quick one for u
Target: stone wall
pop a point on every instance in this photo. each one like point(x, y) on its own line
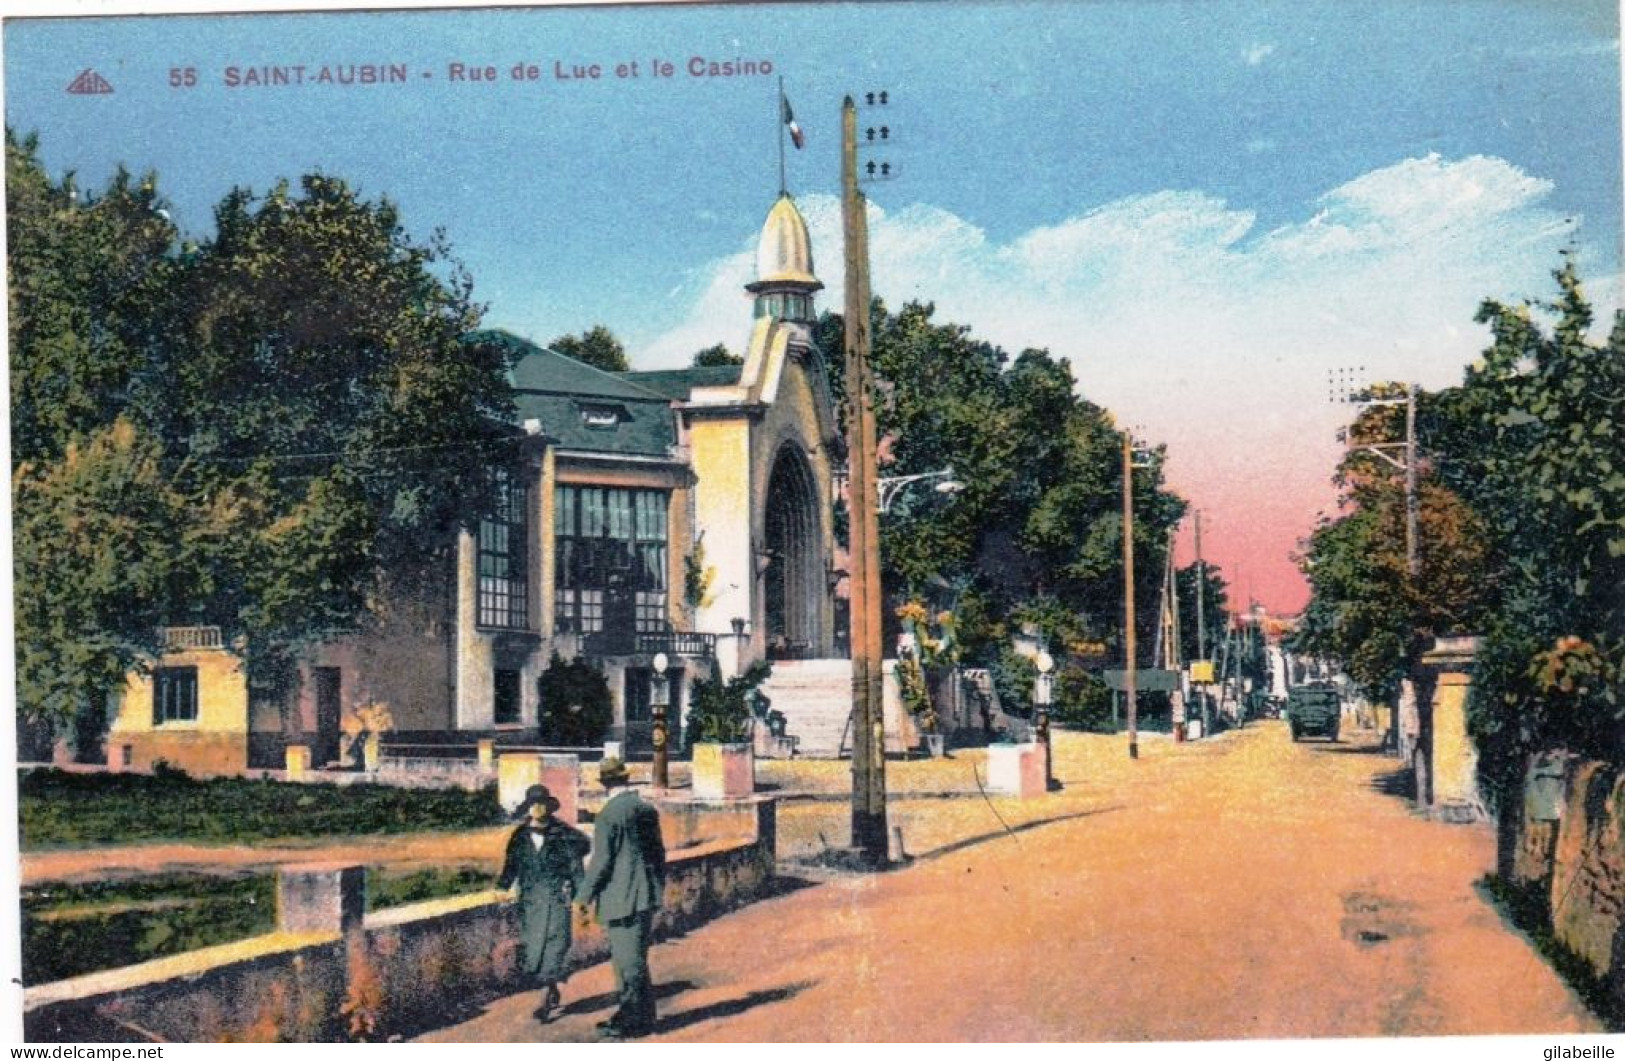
point(1569, 848)
point(400, 970)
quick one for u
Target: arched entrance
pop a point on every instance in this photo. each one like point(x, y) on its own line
point(793, 579)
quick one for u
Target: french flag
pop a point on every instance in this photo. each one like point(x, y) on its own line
point(797, 137)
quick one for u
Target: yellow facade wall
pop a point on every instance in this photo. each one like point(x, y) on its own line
point(1455, 760)
point(215, 743)
point(720, 450)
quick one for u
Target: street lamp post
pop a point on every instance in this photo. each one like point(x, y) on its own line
point(658, 702)
point(1042, 692)
point(891, 485)
point(1130, 669)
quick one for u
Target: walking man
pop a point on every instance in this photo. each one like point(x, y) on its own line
point(626, 878)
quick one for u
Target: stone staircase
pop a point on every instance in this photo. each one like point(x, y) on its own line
point(816, 698)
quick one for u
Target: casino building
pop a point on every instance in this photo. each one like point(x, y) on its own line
point(687, 512)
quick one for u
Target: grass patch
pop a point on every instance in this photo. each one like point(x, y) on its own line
point(60, 809)
point(74, 929)
point(1525, 907)
point(386, 887)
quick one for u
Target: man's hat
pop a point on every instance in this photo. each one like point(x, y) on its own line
point(611, 771)
point(533, 795)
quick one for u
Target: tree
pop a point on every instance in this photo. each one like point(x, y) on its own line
point(272, 421)
point(1365, 609)
point(1537, 445)
point(101, 543)
point(597, 346)
point(716, 356)
point(1035, 535)
point(328, 409)
point(90, 279)
point(1215, 611)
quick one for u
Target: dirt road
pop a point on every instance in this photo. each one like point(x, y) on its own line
point(1237, 888)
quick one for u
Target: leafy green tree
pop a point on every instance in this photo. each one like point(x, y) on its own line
point(101, 543)
point(1215, 610)
point(328, 408)
point(1366, 609)
point(716, 356)
point(1035, 536)
point(90, 281)
point(1536, 443)
point(303, 383)
point(597, 346)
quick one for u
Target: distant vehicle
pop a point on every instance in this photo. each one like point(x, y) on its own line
point(1314, 707)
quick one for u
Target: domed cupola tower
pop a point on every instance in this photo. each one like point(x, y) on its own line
point(785, 282)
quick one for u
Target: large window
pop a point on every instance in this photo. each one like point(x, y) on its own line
point(611, 558)
point(174, 695)
point(503, 560)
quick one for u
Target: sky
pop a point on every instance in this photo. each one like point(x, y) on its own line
point(1204, 207)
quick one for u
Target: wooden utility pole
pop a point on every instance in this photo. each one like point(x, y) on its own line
point(1201, 592)
point(868, 717)
point(1129, 675)
point(1413, 562)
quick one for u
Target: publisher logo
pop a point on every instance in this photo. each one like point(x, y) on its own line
point(90, 83)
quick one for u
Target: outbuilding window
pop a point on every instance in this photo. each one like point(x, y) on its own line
point(174, 695)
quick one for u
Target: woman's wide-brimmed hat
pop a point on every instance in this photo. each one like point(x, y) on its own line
point(533, 795)
point(612, 771)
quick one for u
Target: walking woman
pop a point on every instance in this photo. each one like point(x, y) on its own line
point(544, 858)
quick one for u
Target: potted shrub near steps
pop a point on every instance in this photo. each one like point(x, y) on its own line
point(722, 762)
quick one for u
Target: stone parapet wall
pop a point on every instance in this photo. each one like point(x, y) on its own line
point(1569, 848)
point(1588, 872)
point(404, 969)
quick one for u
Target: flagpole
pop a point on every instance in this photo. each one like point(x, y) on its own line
point(783, 190)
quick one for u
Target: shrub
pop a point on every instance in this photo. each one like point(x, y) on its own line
point(576, 708)
point(720, 711)
point(1083, 701)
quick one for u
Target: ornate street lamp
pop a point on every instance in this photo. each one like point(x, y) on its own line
point(891, 485)
point(659, 699)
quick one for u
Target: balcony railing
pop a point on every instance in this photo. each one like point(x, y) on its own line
point(672, 642)
point(180, 638)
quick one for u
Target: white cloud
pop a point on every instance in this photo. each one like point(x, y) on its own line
point(1256, 54)
point(1178, 312)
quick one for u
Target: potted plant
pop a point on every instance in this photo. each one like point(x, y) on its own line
point(719, 719)
point(365, 725)
point(925, 659)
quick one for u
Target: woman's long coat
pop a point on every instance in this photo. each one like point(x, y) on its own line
point(548, 879)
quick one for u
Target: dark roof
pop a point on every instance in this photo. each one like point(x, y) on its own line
point(540, 369)
point(582, 407)
point(677, 383)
